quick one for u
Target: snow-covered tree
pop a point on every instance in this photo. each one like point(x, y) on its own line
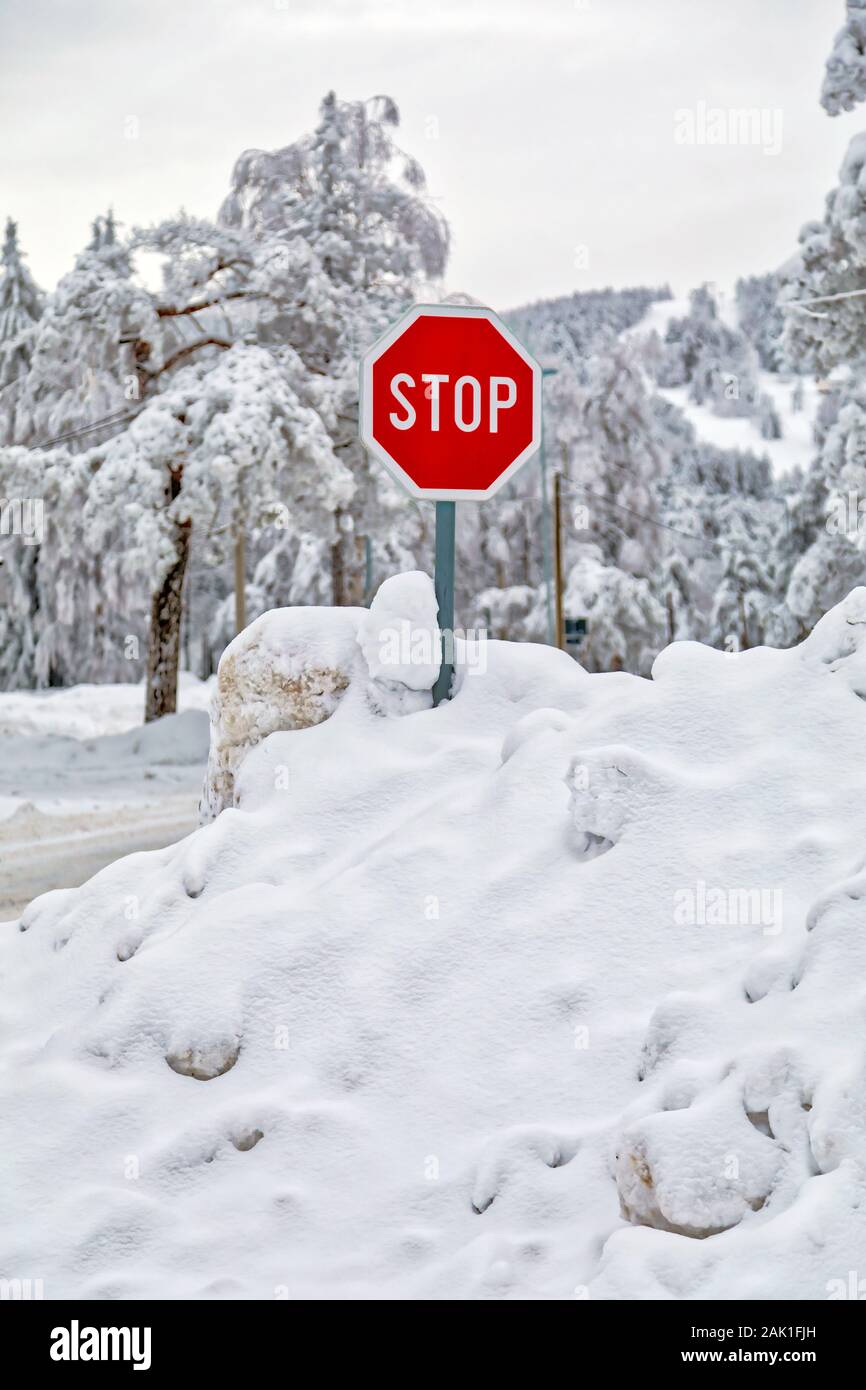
point(715, 361)
point(845, 76)
point(615, 464)
point(835, 560)
point(760, 317)
point(21, 303)
point(625, 623)
point(225, 442)
point(744, 598)
point(65, 615)
point(354, 236)
point(84, 376)
point(824, 290)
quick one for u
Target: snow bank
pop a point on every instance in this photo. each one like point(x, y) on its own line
point(400, 635)
point(287, 670)
point(88, 711)
point(554, 991)
point(56, 772)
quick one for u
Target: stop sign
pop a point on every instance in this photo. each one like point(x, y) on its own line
point(450, 402)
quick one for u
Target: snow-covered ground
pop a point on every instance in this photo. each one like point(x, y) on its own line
point(555, 991)
point(89, 711)
point(82, 782)
point(795, 448)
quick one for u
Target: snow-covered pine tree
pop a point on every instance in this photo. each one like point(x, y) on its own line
point(824, 290)
point(84, 376)
point(617, 461)
point(760, 317)
point(832, 504)
point(21, 303)
point(56, 627)
point(744, 598)
point(824, 295)
point(845, 75)
point(715, 361)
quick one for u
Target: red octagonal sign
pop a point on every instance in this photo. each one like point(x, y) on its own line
point(450, 402)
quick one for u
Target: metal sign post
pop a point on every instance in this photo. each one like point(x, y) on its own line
point(446, 516)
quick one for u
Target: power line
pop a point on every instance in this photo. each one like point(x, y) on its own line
point(650, 521)
point(706, 541)
point(118, 418)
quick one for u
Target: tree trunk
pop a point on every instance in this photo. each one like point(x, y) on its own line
point(744, 630)
point(163, 654)
point(356, 582)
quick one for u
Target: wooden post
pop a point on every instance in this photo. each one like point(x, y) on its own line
point(744, 630)
point(669, 602)
point(557, 556)
point(240, 580)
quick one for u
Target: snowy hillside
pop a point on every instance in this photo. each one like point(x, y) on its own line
point(795, 448)
point(554, 991)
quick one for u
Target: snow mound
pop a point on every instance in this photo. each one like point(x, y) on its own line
point(287, 670)
point(554, 990)
point(400, 635)
point(88, 711)
point(291, 667)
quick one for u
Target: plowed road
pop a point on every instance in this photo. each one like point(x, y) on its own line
point(39, 852)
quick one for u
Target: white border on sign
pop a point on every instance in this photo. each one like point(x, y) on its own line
point(396, 331)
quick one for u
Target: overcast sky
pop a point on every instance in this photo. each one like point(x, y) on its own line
point(548, 129)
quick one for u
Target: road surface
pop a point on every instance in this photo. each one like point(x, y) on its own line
point(39, 852)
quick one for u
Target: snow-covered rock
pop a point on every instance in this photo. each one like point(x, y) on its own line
point(287, 670)
point(291, 667)
point(555, 988)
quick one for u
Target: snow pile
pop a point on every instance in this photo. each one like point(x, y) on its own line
point(291, 667)
point(88, 711)
point(400, 636)
point(287, 670)
point(553, 991)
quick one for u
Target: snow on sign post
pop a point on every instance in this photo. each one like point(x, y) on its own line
point(451, 405)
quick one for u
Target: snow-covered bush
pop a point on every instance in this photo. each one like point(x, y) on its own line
point(625, 622)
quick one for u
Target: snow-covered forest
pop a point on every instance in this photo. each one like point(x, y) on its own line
point(163, 437)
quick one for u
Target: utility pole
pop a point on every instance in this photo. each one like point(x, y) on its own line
point(557, 554)
point(240, 579)
point(368, 571)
